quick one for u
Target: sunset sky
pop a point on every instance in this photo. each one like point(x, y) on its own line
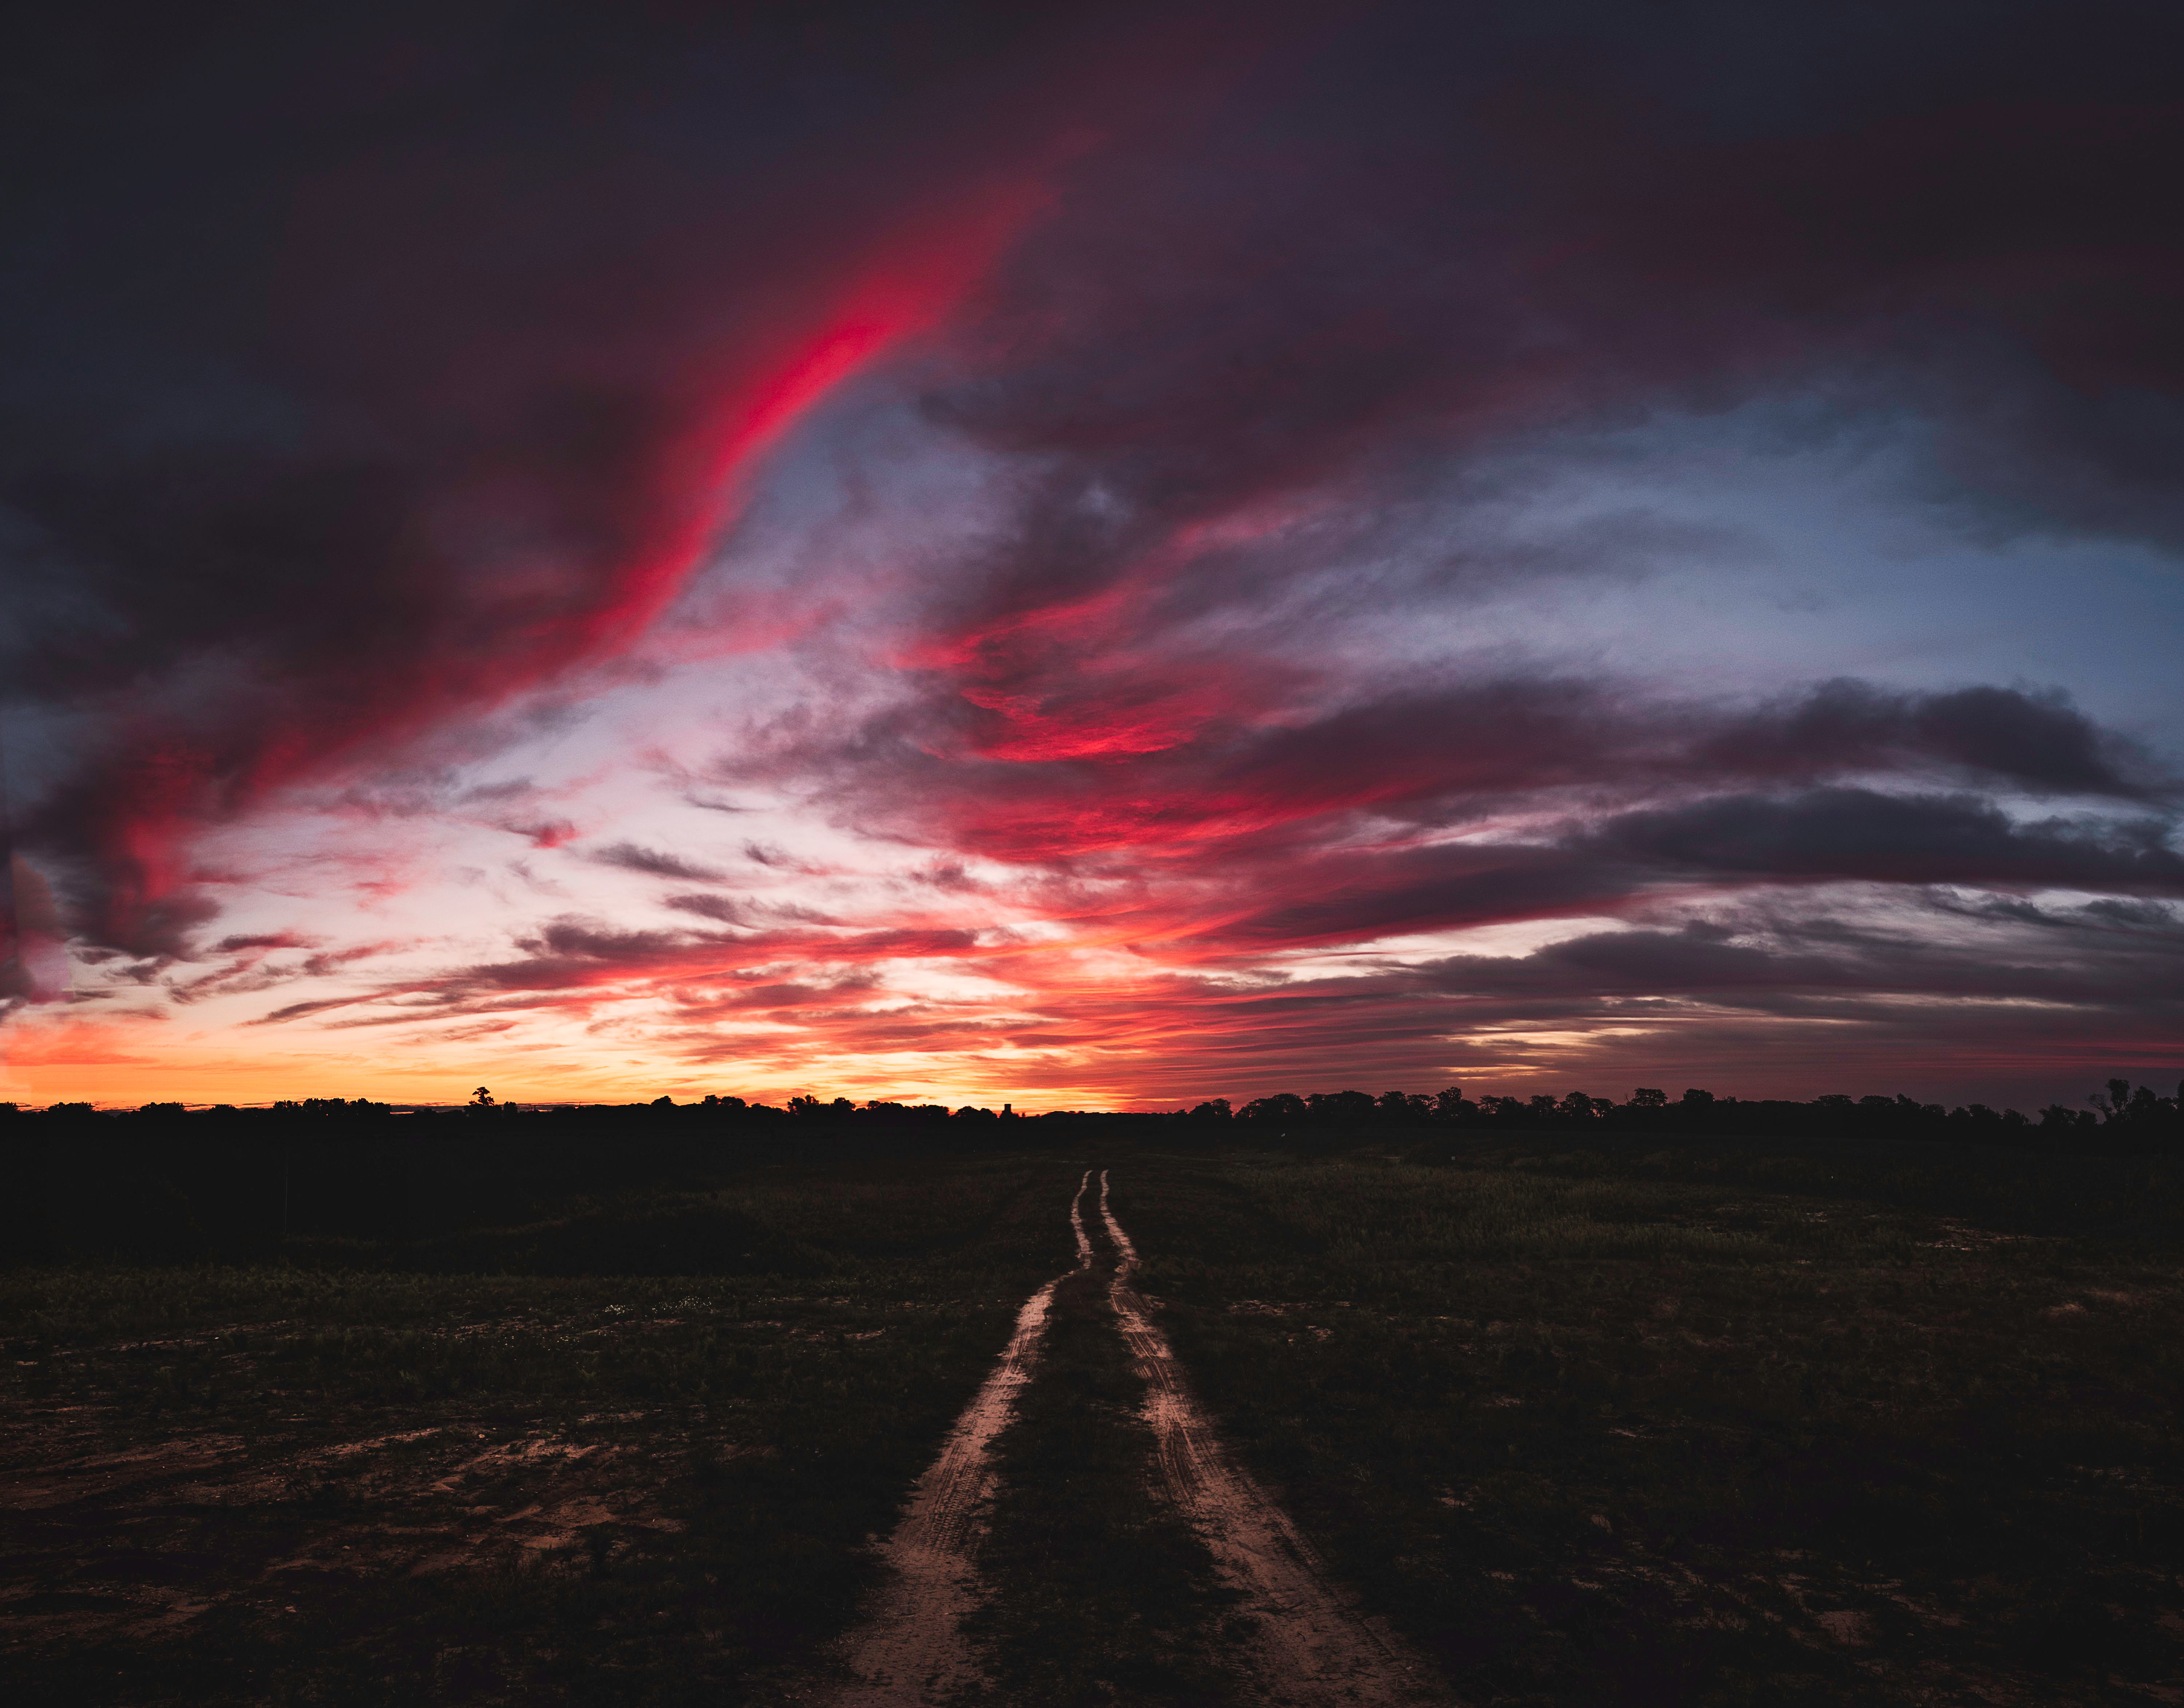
point(1092, 557)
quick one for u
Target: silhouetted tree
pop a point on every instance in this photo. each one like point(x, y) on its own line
point(2115, 1105)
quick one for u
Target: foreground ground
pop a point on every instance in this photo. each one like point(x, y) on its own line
point(1657, 1430)
point(1706, 1425)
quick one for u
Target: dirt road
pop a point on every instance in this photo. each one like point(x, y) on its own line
point(1315, 1648)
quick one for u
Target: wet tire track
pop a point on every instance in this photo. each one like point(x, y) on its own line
point(1316, 1649)
point(910, 1650)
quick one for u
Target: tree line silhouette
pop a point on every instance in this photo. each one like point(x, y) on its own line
point(2119, 1116)
point(488, 1184)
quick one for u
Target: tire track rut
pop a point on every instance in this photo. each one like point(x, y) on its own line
point(1317, 1648)
point(910, 1650)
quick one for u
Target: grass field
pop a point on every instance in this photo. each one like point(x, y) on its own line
point(1596, 1434)
point(1721, 1424)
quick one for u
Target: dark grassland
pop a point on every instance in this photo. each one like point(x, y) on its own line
point(1677, 1421)
point(291, 1485)
point(1722, 1424)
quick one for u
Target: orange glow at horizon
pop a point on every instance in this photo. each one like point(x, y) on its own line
point(121, 1067)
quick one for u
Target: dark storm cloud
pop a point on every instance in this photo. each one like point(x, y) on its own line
point(1780, 962)
point(1344, 900)
point(1497, 738)
point(2039, 742)
point(1861, 834)
point(1349, 893)
point(1461, 223)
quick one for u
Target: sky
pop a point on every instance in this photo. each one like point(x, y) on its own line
point(1091, 557)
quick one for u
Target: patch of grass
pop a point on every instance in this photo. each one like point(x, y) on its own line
point(2114, 1203)
point(1592, 1436)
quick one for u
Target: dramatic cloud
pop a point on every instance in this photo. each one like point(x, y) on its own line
point(403, 377)
point(653, 863)
point(1103, 553)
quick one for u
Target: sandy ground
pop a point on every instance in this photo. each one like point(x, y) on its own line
point(211, 1518)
